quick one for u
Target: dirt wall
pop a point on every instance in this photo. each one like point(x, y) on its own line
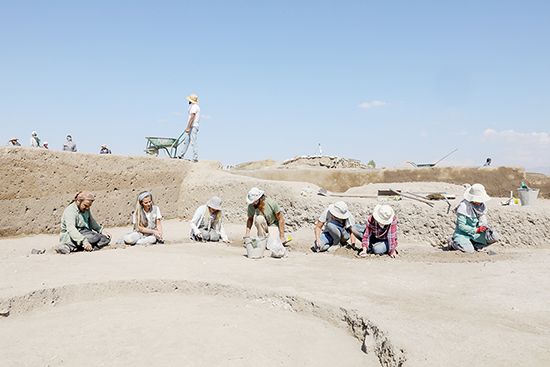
point(498, 181)
point(38, 184)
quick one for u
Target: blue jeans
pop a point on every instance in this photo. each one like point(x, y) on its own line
point(334, 234)
point(191, 137)
point(376, 246)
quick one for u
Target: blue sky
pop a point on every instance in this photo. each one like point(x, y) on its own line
point(385, 80)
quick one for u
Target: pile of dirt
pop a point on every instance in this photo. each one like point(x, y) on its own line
point(41, 183)
point(255, 165)
point(324, 161)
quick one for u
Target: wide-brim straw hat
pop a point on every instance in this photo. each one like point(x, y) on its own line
point(253, 195)
point(476, 193)
point(214, 203)
point(13, 139)
point(193, 98)
point(339, 209)
point(383, 214)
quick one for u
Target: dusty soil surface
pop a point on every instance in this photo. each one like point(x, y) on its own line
point(174, 329)
point(435, 308)
point(428, 307)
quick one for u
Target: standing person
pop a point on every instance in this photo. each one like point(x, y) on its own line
point(471, 221)
point(333, 227)
point(192, 129)
point(263, 212)
point(206, 224)
point(69, 145)
point(487, 162)
point(79, 230)
point(14, 142)
point(147, 222)
point(104, 149)
point(35, 140)
point(379, 235)
point(45, 145)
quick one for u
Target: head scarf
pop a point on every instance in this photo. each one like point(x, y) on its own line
point(141, 217)
point(84, 195)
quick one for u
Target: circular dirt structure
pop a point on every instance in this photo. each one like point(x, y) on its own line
point(162, 323)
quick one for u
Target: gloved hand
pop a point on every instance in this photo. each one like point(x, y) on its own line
point(481, 229)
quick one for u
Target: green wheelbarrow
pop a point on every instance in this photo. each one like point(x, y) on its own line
point(169, 145)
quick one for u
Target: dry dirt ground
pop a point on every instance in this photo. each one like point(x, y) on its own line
point(196, 304)
point(207, 304)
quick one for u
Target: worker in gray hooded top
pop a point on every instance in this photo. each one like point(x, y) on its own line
point(79, 230)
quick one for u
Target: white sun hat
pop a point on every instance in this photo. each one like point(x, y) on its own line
point(214, 203)
point(383, 214)
point(339, 209)
point(476, 193)
point(253, 195)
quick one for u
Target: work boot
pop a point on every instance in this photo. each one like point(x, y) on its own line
point(62, 249)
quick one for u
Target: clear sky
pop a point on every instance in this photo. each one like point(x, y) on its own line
point(385, 80)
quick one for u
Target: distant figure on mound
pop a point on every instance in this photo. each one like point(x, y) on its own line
point(379, 235)
point(333, 227)
point(147, 222)
point(46, 145)
point(14, 142)
point(206, 224)
point(263, 212)
point(69, 145)
point(472, 232)
point(192, 129)
point(35, 140)
point(104, 149)
point(79, 230)
point(487, 162)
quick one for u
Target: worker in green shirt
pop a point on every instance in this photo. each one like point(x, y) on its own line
point(263, 212)
point(79, 230)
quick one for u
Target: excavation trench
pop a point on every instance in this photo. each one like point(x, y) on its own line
point(145, 322)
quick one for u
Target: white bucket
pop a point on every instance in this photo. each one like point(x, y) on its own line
point(528, 196)
point(255, 247)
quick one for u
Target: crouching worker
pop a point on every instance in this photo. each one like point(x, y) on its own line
point(79, 230)
point(333, 227)
point(147, 222)
point(206, 224)
point(264, 212)
point(471, 232)
point(379, 235)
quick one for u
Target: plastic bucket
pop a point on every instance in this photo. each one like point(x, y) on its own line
point(528, 196)
point(255, 247)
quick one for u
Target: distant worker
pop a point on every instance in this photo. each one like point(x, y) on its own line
point(379, 234)
point(487, 162)
point(79, 230)
point(264, 212)
point(46, 145)
point(69, 145)
point(35, 140)
point(192, 129)
point(472, 232)
point(104, 149)
point(320, 149)
point(14, 142)
point(333, 227)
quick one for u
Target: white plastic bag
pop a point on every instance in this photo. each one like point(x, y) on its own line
point(276, 247)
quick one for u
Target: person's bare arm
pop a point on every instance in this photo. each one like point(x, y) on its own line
point(190, 122)
point(159, 229)
point(249, 222)
point(281, 220)
point(318, 227)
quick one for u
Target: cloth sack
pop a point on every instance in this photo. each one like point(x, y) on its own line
point(276, 247)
